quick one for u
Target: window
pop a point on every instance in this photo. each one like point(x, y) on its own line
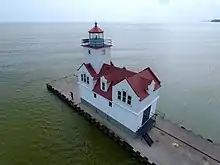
point(87, 80)
point(119, 95)
point(94, 95)
point(89, 51)
point(81, 77)
point(103, 52)
point(103, 86)
point(84, 77)
point(110, 104)
point(124, 96)
point(129, 100)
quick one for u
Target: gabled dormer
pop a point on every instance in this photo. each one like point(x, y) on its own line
point(103, 84)
point(86, 74)
point(151, 87)
point(124, 95)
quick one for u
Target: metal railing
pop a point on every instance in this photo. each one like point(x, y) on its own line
point(96, 42)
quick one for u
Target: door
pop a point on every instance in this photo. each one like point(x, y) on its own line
point(146, 115)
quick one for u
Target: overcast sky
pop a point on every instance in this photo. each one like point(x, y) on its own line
point(109, 10)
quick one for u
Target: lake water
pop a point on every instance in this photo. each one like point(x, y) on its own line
point(36, 128)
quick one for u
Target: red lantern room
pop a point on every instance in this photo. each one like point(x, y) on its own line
point(96, 39)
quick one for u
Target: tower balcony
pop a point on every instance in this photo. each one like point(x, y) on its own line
point(96, 43)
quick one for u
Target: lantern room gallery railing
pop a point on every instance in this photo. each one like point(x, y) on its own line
point(96, 42)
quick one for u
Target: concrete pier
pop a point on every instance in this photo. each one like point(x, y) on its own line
point(173, 145)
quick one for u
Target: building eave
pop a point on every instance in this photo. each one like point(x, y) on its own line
point(148, 105)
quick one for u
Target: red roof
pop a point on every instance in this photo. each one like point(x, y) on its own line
point(96, 29)
point(139, 85)
point(141, 80)
point(149, 74)
point(107, 94)
point(113, 75)
point(118, 75)
point(138, 81)
point(91, 70)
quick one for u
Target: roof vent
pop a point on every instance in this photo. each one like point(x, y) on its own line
point(124, 68)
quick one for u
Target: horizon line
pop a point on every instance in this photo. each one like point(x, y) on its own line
point(136, 22)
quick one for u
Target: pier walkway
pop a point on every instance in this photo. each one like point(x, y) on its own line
point(173, 144)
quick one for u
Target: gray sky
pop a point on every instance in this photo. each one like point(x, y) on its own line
point(109, 10)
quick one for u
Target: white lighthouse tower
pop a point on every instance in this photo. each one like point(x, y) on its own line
point(97, 49)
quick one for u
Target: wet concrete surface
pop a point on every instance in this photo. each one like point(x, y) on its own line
point(173, 144)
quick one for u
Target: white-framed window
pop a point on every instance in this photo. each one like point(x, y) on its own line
point(110, 104)
point(119, 95)
point(124, 94)
point(129, 100)
point(124, 97)
point(103, 86)
point(89, 51)
point(81, 77)
point(87, 80)
point(94, 95)
point(84, 77)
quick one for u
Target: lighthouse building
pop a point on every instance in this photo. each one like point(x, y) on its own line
point(126, 98)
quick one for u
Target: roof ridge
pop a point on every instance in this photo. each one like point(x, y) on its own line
point(144, 69)
point(80, 66)
point(148, 68)
point(132, 87)
point(143, 77)
point(90, 65)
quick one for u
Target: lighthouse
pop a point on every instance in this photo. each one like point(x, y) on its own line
point(97, 49)
point(124, 97)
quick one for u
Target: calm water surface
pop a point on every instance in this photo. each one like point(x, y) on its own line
point(36, 128)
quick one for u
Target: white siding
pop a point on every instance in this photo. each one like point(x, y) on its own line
point(152, 112)
point(117, 112)
point(83, 70)
point(103, 80)
point(124, 86)
point(97, 58)
point(153, 108)
point(147, 101)
point(140, 117)
point(128, 115)
point(137, 107)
